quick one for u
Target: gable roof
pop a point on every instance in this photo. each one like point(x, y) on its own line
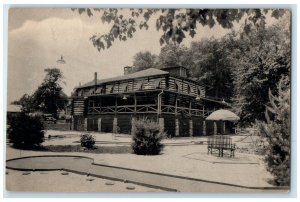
point(139, 74)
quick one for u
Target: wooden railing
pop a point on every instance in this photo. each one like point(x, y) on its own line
point(123, 109)
point(151, 108)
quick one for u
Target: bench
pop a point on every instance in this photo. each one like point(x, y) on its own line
point(220, 143)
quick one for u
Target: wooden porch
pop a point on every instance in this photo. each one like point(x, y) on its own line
point(151, 102)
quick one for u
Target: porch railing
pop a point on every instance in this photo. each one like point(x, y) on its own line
point(151, 108)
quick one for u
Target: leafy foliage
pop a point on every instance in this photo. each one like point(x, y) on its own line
point(213, 66)
point(173, 54)
point(87, 141)
point(262, 58)
point(144, 60)
point(26, 131)
point(175, 24)
point(49, 97)
point(147, 137)
point(170, 55)
point(26, 101)
point(277, 132)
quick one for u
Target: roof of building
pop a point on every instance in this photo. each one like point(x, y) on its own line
point(13, 108)
point(139, 74)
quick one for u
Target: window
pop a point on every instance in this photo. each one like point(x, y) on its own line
point(177, 86)
point(190, 89)
point(91, 91)
point(124, 87)
point(99, 90)
point(110, 88)
point(157, 83)
point(80, 93)
point(198, 92)
point(139, 84)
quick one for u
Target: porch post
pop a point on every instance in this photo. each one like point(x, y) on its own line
point(215, 128)
point(116, 105)
point(72, 123)
point(176, 106)
point(161, 122)
point(204, 127)
point(132, 125)
point(135, 102)
point(115, 121)
point(224, 128)
point(191, 127)
point(85, 124)
point(176, 127)
point(99, 124)
point(115, 125)
point(176, 119)
point(204, 123)
point(190, 109)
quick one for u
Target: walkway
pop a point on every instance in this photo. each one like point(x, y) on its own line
point(84, 165)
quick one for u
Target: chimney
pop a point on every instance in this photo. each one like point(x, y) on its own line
point(127, 70)
point(95, 78)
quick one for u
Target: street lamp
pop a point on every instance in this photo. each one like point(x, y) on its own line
point(61, 60)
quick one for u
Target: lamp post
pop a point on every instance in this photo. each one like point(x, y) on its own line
point(61, 60)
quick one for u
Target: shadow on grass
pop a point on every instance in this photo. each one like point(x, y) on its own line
point(78, 148)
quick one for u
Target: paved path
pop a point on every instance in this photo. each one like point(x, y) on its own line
point(85, 165)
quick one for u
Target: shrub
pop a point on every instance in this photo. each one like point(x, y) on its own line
point(87, 141)
point(26, 131)
point(146, 137)
point(277, 132)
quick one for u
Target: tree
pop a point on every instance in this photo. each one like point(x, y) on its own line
point(49, 96)
point(263, 58)
point(26, 131)
point(144, 60)
point(277, 131)
point(173, 54)
point(212, 66)
point(26, 102)
point(174, 23)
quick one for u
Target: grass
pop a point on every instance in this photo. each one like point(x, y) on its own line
point(97, 150)
point(78, 148)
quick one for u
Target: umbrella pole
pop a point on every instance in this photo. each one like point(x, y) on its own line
point(215, 128)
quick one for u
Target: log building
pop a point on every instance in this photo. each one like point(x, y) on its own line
point(166, 95)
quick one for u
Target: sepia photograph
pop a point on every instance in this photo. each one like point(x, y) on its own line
point(151, 100)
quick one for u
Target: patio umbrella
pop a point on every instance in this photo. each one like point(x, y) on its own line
point(222, 115)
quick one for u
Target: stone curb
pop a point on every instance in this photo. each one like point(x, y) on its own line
point(143, 171)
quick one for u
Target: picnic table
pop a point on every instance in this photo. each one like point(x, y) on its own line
point(220, 143)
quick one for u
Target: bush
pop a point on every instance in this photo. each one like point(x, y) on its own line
point(87, 141)
point(26, 131)
point(277, 132)
point(147, 137)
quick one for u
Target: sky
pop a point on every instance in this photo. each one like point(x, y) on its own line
point(38, 37)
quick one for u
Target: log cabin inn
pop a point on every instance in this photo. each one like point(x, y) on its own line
point(166, 95)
